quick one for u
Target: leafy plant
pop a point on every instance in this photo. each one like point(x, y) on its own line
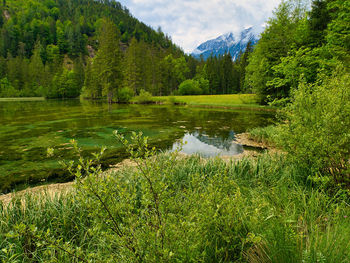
point(317, 130)
point(190, 87)
point(144, 98)
point(124, 95)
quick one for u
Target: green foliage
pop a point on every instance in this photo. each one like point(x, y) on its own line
point(64, 85)
point(190, 87)
point(267, 135)
point(203, 85)
point(144, 98)
point(173, 73)
point(108, 60)
point(45, 229)
point(39, 38)
point(125, 95)
point(174, 101)
point(275, 43)
point(299, 46)
point(7, 90)
point(338, 33)
point(224, 74)
point(179, 209)
point(318, 21)
point(317, 130)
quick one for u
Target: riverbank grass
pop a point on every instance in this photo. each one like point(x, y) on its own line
point(173, 208)
point(251, 210)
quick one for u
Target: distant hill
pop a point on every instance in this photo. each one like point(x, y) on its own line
point(68, 24)
point(228, 43)
point(48, 48)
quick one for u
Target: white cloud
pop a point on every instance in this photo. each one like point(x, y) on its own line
point(191, 22)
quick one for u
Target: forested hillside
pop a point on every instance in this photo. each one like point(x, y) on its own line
point(46, 47)
point(67, 48)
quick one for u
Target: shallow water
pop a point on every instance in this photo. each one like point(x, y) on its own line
point(28, 128)
point(206, 146)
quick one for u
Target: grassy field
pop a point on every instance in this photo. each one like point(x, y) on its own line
point(231, 100)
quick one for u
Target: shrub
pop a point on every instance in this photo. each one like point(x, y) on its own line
point(7, 90)
point(317, 131)
point(125, 94)
point(190, 87)
point(144, 98)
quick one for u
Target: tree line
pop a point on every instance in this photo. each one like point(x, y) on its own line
point(46, 46)
point(299, 45)
point(97, 49)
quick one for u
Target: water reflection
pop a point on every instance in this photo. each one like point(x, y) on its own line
point(28, 128)
point(206, 146)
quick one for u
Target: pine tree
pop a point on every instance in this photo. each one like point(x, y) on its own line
point(91, 88)
point(228, 80)
point(132, 67)
point(318, 21)
point(242, 65)
point(78, 68)
point(36, 67)
point(108, 60)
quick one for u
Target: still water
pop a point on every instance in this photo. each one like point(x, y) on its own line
point(28, 128)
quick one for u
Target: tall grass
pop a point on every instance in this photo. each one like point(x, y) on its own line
point(260, 210)
point(267, 135)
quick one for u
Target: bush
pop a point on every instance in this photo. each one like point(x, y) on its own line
point(125, 94)
point(317, 131)
point(190, 87)
point(7, 90)
point(144, 98)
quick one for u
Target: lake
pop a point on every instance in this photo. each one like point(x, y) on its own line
point(28, 128)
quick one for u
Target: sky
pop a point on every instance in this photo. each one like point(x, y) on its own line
point(192, 22)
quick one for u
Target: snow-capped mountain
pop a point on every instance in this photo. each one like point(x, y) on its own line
point(228, 43)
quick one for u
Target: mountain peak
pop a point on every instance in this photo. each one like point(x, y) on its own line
point(228, 43)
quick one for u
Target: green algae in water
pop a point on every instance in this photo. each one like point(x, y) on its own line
point(28, 128)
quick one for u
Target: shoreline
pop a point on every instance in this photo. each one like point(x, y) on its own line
point(61, 188)
point(165, 101)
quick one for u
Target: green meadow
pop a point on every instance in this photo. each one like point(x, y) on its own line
point(231, 100)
